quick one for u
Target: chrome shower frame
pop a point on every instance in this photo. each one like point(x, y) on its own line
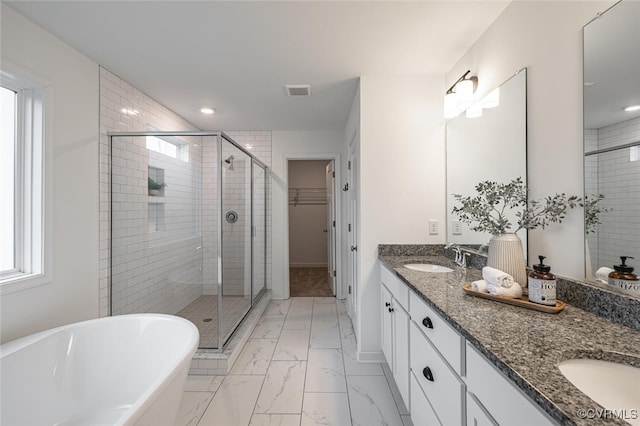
point(220, 138)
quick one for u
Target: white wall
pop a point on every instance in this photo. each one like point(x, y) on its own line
point(293, 145)
point(71, 138)
point(545, 37)
point(402, 180)
point(308, 218)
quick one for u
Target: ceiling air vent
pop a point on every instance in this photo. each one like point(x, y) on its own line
point(298, 89)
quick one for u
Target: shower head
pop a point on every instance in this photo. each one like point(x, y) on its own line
point(229, 160)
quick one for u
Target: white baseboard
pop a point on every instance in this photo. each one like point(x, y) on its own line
point(371, 357)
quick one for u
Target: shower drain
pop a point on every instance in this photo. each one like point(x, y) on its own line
point(207, 320)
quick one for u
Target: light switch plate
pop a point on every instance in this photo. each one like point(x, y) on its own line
point(433, 227)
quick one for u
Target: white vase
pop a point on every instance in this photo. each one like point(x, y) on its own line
point(506, 254)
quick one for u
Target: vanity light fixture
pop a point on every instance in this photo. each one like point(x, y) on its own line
point(207, 110)
point(474, 110)
point(632, 108)
point(460, 95)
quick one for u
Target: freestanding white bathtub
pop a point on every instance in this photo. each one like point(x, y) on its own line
point(122, 370)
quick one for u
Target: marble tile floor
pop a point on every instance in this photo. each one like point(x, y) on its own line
point(298, 368)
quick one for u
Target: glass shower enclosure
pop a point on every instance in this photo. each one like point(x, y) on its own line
point(188, 229)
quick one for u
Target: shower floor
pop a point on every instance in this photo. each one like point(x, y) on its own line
point(203, 312)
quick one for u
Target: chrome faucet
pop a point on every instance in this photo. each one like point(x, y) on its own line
point(461, 257)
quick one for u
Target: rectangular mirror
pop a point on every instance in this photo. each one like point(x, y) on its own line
point(491, 147)
point(612, 140)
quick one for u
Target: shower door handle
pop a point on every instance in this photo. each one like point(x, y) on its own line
point(354, 248)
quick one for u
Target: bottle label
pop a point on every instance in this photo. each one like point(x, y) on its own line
point(542, 291)
point(633, 286)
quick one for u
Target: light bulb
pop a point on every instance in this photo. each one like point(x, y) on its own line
point(451, 105)
point(464, 90)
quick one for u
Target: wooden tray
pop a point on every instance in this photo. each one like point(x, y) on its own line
point(522, 301)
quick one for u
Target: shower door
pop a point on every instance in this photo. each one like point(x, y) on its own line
point(235, 286)
point(259, 275)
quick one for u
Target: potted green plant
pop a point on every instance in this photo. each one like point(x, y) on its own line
point(487, 212)
point(155, 187)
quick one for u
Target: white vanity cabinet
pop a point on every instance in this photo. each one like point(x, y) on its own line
point(500, 401)
point(395, 329)
point(436, 358)
point(442, 378)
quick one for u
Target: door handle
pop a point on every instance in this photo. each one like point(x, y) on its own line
point(354, 248)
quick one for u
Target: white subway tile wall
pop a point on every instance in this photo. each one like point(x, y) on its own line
point(164, 247)
point(616, 175)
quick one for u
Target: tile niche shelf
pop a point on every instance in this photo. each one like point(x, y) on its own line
point(156, 202)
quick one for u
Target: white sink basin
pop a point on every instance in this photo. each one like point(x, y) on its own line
point(612, 385)
point(427, 267)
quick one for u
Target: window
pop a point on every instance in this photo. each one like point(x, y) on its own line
point(7, 178)
point(21, 183)
point(169, 146)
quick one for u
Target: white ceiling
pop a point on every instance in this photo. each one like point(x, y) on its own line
point(236, 56)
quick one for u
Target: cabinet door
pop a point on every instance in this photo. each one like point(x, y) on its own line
point(401, 352)
point(476, 414)
point(387, 325)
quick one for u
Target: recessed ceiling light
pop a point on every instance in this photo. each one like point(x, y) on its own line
point(632, 108)
point(207, 110)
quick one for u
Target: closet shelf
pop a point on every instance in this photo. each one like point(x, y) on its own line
point(307, 196)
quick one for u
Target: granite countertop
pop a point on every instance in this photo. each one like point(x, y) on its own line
point(524, 344)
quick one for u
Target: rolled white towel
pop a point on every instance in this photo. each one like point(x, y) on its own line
point(603, 273)
point(496, 277)
point(512, 292)
point(479, 286)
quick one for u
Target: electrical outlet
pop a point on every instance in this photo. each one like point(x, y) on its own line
point(456, 227)
point(433, 227)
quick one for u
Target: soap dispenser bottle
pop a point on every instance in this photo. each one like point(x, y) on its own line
point(542, 284)
point(623, 276)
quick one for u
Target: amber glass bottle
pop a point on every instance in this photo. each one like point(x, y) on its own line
point(542, 284)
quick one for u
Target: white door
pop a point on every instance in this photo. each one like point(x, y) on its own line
point(331, 225)
point(352, 229)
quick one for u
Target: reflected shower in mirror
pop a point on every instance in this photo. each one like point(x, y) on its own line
point(612, 139)
point(492, 146)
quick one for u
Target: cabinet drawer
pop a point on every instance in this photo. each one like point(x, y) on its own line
point(421, 412)
point(444, 337)
point(513, 406)
point(442, 387)
point(476, 414)
point(398, 289)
